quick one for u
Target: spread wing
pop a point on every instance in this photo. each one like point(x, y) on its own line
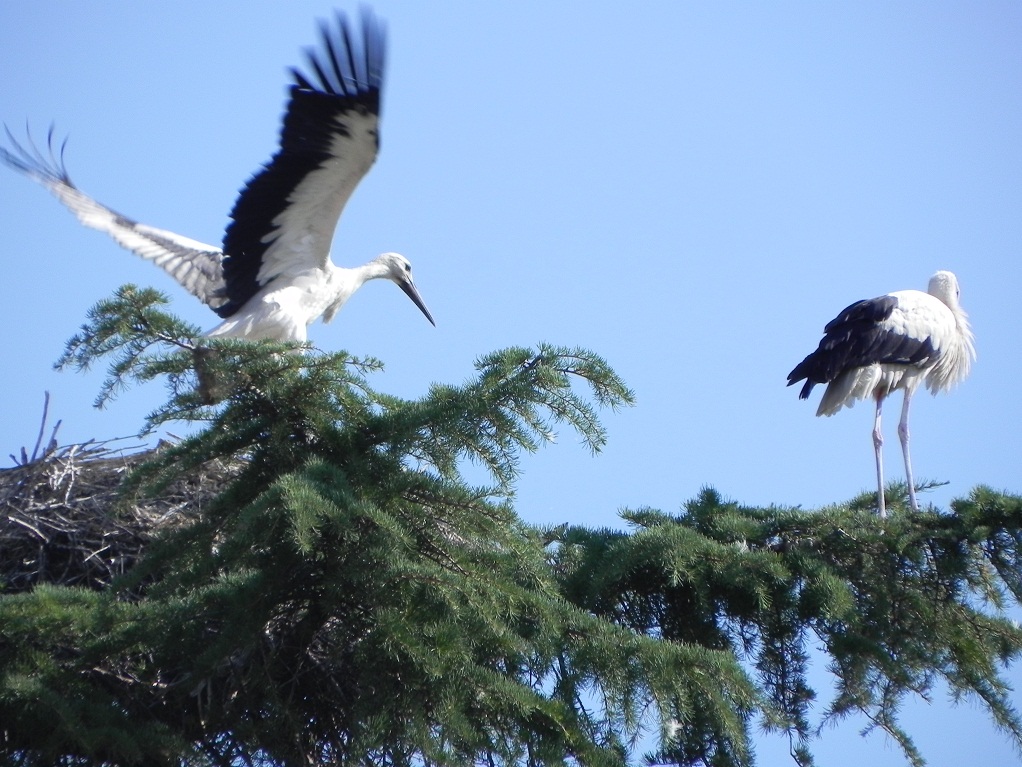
point(195, 265)
point(284, 218)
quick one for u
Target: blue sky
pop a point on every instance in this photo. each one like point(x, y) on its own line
point(691, 190)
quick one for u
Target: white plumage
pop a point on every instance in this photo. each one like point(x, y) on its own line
point(896, 341)
point(273, 277)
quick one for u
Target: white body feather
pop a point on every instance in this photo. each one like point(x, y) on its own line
point(935, 315)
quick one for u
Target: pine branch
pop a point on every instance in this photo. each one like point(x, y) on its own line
point(344, 596)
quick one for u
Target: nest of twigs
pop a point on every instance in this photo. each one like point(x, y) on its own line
point(65, 519)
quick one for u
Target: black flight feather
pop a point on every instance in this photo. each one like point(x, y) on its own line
point(311, 122)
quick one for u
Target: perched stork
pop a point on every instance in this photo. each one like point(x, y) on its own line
point(896, 341)
point(273, 277)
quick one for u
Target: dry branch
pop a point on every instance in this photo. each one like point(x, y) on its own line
point(65, 520)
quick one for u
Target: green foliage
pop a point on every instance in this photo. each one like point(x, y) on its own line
point(897, 606)
point(144, 341)
point(347, 597)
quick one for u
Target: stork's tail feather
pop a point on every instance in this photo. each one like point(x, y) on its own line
point(803, 370)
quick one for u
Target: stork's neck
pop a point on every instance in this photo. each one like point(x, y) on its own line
point(962, 351)
point(374, 270)
point(961, 318)
point(347, 280)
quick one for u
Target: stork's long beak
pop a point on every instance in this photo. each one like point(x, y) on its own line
point(413, 294)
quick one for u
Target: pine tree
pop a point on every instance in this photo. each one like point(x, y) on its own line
point(349, 598)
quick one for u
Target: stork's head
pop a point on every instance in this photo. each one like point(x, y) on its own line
point(399, 271)
point(944, 285)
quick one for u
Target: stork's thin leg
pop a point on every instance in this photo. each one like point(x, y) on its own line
point(903, 436)
point(878, 449)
